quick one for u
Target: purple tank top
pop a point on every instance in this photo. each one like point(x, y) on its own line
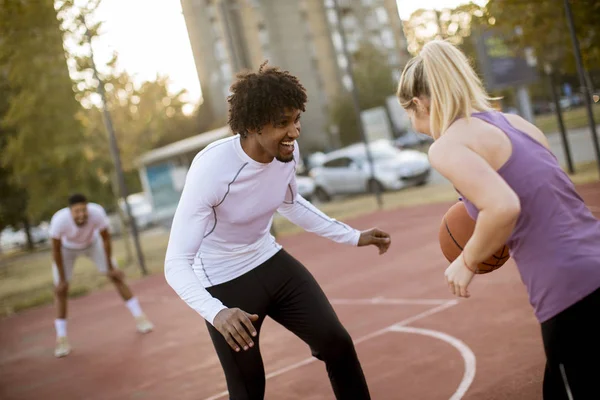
point(556, 241)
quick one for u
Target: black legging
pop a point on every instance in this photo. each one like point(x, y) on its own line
point(572, 345)
point(285, 290)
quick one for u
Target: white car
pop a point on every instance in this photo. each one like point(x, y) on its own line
point(347, 170)
point(141, 209)
point(306, 186)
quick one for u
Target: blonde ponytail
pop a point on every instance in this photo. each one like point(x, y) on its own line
point(443, 73)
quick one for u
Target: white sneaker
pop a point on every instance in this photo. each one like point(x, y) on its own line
point(143, 324)
point(62, 347)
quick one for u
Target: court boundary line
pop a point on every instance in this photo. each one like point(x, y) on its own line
point(401, 327)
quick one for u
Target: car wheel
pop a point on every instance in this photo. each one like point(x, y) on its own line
point(375, 186)
point(322, 195)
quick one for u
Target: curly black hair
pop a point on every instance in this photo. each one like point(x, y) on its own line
point(77, 198)
point(258, 98)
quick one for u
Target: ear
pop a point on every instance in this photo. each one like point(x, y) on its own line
point(421, 104)
point(252, 132)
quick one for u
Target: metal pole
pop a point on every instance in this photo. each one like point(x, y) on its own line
point(561, 125)
point(587, 94)
point(356, 102)
point(114, 151)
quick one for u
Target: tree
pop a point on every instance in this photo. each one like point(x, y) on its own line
point(13, 202)
point(542, 26)
point(44, 149)
point(374, 82)
point(454, 25)
point(144, 115)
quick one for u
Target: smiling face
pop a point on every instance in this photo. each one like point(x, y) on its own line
point(79, 213)
point(276, 139)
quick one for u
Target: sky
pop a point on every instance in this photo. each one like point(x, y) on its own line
point(151, 38)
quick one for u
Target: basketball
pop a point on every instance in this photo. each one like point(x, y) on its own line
point(456, 229)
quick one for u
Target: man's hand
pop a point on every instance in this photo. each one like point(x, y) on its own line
point(375, 237)
point(236, 327)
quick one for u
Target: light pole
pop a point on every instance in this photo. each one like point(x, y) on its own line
point(587, 94)
point(356, 102)
point(114, 152)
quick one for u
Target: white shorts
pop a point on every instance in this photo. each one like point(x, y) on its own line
point(94, 252)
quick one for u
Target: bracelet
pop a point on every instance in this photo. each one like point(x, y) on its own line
point(467, 264)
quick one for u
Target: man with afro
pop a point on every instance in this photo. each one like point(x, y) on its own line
point(223, 261)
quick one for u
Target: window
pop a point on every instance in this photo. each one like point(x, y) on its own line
point(214, 28)
point(337, 41)
point(226, 91)
point(226, 70)
point(342, 162)
point(376, 40)
point(350, 23)
point(347, 81)
point(381, 15)
point(342, 61)
point(263, 35)
point(332, 17)
point(352, 44)
point(220, 51)
point(388, 38)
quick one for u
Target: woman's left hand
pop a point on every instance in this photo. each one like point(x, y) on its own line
point(458, 277)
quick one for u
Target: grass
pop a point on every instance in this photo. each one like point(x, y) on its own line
point(26, 278)
point(585, 173)
point(573, 119)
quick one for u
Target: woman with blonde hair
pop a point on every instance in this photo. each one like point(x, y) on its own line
point(515, 189)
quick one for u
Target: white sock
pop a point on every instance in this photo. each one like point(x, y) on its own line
point(134, 306)
point(61, 327)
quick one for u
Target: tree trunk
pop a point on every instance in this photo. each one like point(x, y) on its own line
point(123, 223)
point(27, 227)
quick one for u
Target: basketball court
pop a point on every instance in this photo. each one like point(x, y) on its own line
point(414, 339)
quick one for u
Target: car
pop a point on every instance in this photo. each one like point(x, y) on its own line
point(306, 186)
point(347, 170)
point(412, 140)
point(141, 209)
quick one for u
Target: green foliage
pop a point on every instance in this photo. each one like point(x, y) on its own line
point(43, 153)
point(454, 25)
point(544, 28)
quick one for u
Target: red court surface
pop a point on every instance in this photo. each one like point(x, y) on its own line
point(414, 339)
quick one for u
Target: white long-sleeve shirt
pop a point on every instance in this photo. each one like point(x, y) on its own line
point(221, 228)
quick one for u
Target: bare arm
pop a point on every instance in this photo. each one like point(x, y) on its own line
point(302, 213)
point(58, 261)
point(107, 247)
point(498, 204)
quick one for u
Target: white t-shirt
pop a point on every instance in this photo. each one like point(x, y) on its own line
point(221, 228)
point(63, 227)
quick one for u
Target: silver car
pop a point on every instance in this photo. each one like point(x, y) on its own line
point(347, 171)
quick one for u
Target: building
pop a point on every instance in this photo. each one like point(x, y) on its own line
point(301, 36)
point(162, 171)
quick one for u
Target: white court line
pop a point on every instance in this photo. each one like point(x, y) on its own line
point(398, 325)
point(594, 209)
point(464, 350)
point(384, 301)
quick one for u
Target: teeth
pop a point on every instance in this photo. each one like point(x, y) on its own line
point(287, 143)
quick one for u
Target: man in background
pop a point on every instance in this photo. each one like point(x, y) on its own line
point(81, 229)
